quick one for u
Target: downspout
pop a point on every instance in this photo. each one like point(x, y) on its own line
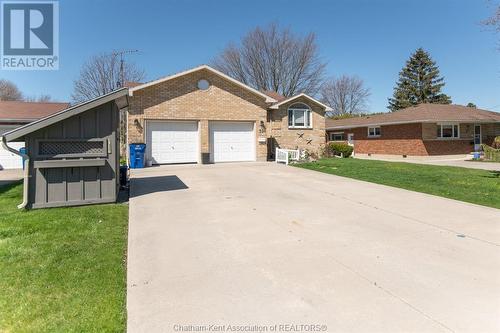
point(26, 171)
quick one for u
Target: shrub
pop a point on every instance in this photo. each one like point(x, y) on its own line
point(491, 154)
point(337, 148)
point(496, 143)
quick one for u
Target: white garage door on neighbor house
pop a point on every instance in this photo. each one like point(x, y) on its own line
point(232, 141)
point(172, 141)
point(9, 160)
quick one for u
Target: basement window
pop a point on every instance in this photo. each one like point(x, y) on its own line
point(448, 131)
point(374, 132)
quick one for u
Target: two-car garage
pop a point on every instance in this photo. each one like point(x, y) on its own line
point(180, 141)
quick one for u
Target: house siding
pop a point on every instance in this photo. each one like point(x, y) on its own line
point(310, 139)
point(418, 139)
point(180, 99)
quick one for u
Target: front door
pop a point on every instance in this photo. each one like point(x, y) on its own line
point(350, 139)
point(477, 137)
point(350, 142)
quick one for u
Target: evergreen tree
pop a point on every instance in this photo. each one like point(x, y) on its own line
point(471, 105)
point(419, 82)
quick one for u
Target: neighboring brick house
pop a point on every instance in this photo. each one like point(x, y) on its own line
point(14, 114)
point(426, 129)
point(203, 115)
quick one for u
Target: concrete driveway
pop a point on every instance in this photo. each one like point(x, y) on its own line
point(265, 244)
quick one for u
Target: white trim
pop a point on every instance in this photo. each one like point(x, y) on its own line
point(148, 153)
point(476, 135)
point(332, 128)
point(374, 135)
point(452, 124)
point(208, 68)
point(115, 95)
point(13, 120)
point(305, 113)
point(277, 105)
point(211, 130)
point(332, 134)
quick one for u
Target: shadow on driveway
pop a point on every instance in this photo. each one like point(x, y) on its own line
point(146, 185)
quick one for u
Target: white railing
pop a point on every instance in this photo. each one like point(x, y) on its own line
point(287, 155)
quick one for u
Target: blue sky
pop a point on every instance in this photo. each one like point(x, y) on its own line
point(368, 38)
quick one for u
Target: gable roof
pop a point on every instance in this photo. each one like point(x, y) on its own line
point(120, 95)
point(25, 112)
point(132, 84)
point(422, 113)
point(267, 98)
point(289, 99)
point(273, 94)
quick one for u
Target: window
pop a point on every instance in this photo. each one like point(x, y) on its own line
point(203, 84)
point(373, 132)
point(337, 136)
point(299, 116)
point(446, 131)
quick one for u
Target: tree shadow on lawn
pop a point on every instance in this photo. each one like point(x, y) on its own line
point(492, 174)
point(6, 185)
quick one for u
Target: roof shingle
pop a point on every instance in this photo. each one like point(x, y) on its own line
point(28, 111)
point(420, 113)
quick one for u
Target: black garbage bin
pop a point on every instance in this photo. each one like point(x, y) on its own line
point(123, 175)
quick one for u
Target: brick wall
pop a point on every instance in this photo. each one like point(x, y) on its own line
point(489, 132)
point(180, 99)
point(449, 147)
point(312, 140)
point(407, 139)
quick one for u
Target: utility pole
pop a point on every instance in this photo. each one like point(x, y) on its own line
point(121, 53)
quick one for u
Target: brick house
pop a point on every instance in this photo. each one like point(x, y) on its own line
point(423, 130)
point(204, 116)
point(14, 114)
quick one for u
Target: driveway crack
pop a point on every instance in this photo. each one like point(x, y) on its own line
point(413, 219)
point(390, 293)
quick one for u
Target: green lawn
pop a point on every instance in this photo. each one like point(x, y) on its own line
point(476, 186)
point(62, 269)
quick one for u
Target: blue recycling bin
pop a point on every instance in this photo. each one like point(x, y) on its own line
point(137, 159)
point(23, 151)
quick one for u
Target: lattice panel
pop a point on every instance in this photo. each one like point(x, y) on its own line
point(70, 147)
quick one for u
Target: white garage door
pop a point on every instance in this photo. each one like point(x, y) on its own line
point(7, 159)
point(172, 142)
point(232, 141)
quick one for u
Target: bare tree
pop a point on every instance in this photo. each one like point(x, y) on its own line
point(346, 95)
point(101, 75)
point(42, 98)
point(9, 91)
point(494, 20)
point(274, 59)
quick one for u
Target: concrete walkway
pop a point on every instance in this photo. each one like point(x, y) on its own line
point(266, 244)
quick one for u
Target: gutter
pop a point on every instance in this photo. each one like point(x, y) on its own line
point(425, 121)
point(26, 160)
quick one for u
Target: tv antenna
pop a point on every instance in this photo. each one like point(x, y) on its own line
point(121, 53)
